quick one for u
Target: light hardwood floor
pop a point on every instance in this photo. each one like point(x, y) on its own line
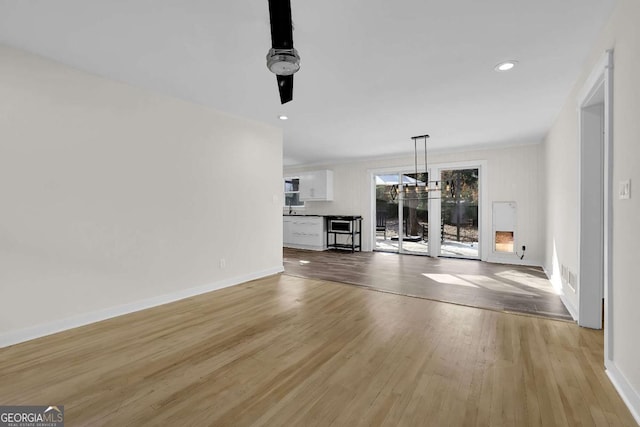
point(292, 351)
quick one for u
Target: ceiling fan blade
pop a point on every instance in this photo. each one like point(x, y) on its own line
point(285, 86)
point(282, 60)
point(281, 27)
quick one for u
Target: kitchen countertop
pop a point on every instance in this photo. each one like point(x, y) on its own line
point(347, 217)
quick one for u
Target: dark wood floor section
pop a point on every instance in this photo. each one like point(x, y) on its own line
point(508, 288)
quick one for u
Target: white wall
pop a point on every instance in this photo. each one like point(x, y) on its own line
point(622, 34)
point(513, 174)
point(113, 198)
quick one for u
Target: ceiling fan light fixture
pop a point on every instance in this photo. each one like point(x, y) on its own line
point(283, 62)
point(506, 65)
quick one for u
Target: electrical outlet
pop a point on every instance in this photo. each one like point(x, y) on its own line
point(223, 263)
point(524, 248)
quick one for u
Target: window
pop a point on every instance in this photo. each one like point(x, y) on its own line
point(292, 192)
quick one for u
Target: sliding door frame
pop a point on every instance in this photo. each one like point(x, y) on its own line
point(434, 171)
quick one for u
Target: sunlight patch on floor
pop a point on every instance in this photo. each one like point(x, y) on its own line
point(494, 285)
point(449, 279)
point(528, 280)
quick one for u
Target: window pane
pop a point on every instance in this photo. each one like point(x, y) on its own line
point(292, 199)
point(291, 192)
point(291, 184)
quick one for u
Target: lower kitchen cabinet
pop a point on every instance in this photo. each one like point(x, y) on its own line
point(304, 232)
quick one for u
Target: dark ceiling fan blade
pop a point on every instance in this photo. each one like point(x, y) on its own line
point(281, 27)
point(282, 59)
point(285, 86)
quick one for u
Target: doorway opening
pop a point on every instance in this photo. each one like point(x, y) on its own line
point(591, 284)
point(595, 200)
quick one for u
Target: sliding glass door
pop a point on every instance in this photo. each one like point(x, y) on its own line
point(415, 215)
point(387, 202)
point(408, 219)
point(401, 213)
point(459, 213)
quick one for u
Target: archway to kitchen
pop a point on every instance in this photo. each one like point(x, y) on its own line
point(443, 221)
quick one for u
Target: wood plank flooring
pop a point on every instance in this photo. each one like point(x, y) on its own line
point(510, 288)
point(289, 351)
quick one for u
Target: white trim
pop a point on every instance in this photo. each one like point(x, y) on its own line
point(602, 77)
point(608, 205)
point(630, 397)
point(305, 247)
point(597, 75)
point(569, 305)
point(372, 211)
point(512, 260)
point(33, 332)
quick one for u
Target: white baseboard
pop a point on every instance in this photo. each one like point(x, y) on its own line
point(558, 287)
point(630, 396)
point(33, 332)
point(570, 307)
point(512, 260)
point(304, 247)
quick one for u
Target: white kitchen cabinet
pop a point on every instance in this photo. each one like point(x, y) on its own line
point(286, 230)
point(316, 185)
point(304, 232)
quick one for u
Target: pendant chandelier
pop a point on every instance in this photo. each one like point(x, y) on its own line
point(421, 189)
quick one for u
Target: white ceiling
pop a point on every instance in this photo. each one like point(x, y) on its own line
point(373, 73)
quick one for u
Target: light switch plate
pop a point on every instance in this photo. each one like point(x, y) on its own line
point(624, 191)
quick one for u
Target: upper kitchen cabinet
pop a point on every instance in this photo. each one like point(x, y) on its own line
point(316, 185)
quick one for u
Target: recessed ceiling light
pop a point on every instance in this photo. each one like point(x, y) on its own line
point(283, 117)
point(506, 65)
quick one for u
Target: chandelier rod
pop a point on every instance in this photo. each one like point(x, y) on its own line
point(415, 156)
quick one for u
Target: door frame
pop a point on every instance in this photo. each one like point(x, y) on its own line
point(597, 90)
